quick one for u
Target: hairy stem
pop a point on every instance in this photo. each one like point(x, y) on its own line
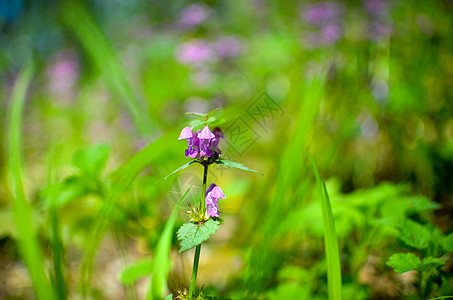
point(203, 195)
point(193, 280)
point(196, 259)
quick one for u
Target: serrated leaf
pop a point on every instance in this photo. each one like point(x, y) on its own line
point(235, 165)
point(177, 170)
point(420, 204)
point(431, 263)
point(414, 234)
point(403, 262)
point(447, 242)
point(168, 297)
point(131, 273)
point(191, 234)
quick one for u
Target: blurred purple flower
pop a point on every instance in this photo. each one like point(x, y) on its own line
point(213, 194)
point(194, 15)
point(376, 7)
point(63, 74)
point(326, 18)
point(319, 13)
point(378, 30)
point(203, 143)
point(195, 52)
point(331, 33)
point(227, 46)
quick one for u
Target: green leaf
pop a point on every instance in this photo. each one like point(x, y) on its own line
point(168, 297)
point(195, 123)
point(92, 159)
point(195, 114)
point(138, 269)
point(121, 180)
point(236, 165)
point(447, 243)
point(191, 234)
point(177, 170)
point(420, 204)
point(403, 262)
point(431, 263)
point(161, 265)
point(330, 239)
point(414, 234)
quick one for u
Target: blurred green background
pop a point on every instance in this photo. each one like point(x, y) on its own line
point(93, 96)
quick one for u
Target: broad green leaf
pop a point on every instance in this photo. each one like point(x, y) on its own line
point(414, 234)
point(431, 263)
point(330, 239)
point(161, 265)
point(447, 242)
point(29, 246)
point(92, 159)
point(177, 170)
point(191, 234)
point(131, 273)
point(403, 262)
point(168, 297)
point(236, 165)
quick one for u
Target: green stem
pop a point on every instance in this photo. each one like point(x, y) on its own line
point(203, 201)
point(193, 280)
point(196, 259)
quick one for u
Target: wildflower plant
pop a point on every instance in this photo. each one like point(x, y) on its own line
point(203, 140)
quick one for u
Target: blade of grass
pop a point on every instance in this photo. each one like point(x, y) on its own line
point(78, 19)
point(28, 243)
point(290, 177)
point(58, 279)
point(161, 265)
point(330, 239)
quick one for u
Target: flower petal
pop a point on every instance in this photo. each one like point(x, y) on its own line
point(186, 133)
point(206, 134)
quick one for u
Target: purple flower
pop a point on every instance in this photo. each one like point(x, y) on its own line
point(227, 46)
point(206, 134)
point(186, 133)
point(330, 33)
point(195, 52)
point(320, 13)
point(213, 194)
point(326, 19)
point(202, 143)
point(194, 15)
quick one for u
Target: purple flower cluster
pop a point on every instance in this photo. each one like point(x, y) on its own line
point(379, 25)
point(213, 194)
point(194, 15)
point(202, 143)
point(199, 52)
point(326, 17)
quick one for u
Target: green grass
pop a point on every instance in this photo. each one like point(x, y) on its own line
point(330, 239)
point(27, 239)
point(161, 260)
